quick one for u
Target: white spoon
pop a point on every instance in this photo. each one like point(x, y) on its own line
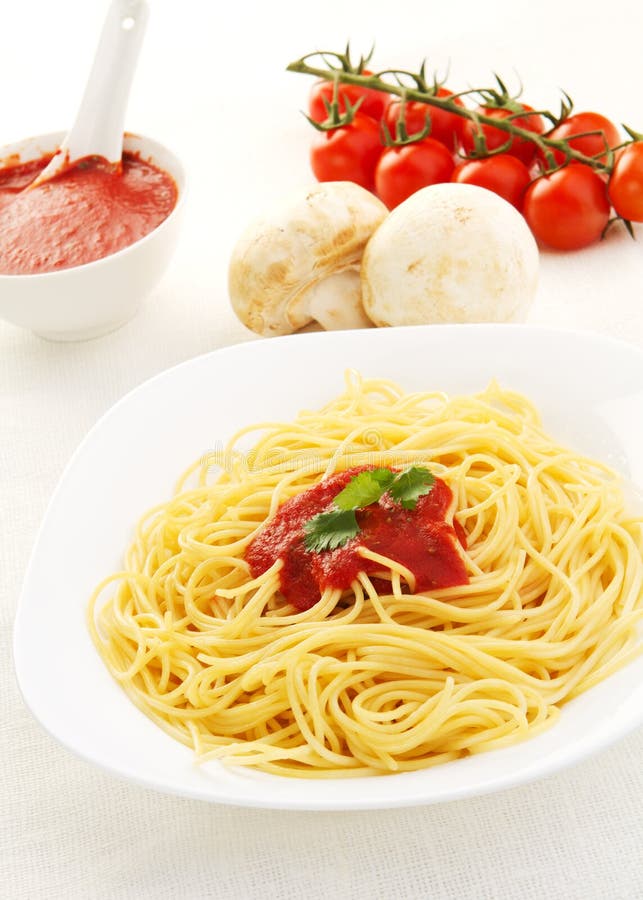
point(98, 128)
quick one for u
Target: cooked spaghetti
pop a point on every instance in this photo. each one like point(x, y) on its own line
point(373, 677)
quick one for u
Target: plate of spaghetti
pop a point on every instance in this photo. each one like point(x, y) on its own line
point(347, 571)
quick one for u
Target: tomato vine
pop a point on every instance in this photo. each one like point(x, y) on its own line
point(420, 88)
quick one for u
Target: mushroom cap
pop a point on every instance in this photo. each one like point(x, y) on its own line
point(450, 253)
point(287, 253)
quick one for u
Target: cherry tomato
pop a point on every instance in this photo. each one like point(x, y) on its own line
point(372, 105)
point(445, 126)
point(568, 209)
point(626, 183)
point(523, 149)
point(590, 144)
point(401, 171)
point(503, 174)
point(348, 153)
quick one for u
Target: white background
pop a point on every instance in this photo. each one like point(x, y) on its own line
point(211, 84)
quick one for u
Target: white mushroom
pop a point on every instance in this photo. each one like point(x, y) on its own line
point(301, 263)
point(450, 253)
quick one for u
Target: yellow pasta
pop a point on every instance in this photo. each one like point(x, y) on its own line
point(370, 682)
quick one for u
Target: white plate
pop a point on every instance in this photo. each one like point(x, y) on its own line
point(590, 391)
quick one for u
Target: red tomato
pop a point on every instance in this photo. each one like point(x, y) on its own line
point(590, 144)
point(503, 174)
point(445, 126)
point(523, 149)
point(402, 171)
point(626, 183)
point(348, 153)
point(568, 209)
point(372, 105)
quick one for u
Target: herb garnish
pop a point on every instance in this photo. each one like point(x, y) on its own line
point(410, 485)
point(365, 488)
point(333, 529)
point(330, 530)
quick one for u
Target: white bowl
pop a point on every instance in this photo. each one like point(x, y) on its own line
point(590, 392)
point(93, 299)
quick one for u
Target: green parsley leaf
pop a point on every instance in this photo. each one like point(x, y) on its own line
point(365, 488)
point(410, 485)
point(385, 477)
point(333, 529)
point(328, 531)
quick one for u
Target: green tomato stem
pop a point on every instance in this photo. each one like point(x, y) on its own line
point(421, 93)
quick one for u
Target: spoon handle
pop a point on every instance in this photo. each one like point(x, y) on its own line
point(98, 128)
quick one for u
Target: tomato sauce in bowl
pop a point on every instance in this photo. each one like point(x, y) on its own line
point(86, 213)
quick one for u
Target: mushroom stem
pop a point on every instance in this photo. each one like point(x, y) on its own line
point(301, 263)
point(335, 302)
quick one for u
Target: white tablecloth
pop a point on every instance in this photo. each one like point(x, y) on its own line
point(207, 72)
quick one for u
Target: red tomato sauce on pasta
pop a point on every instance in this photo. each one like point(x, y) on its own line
point(85, 213)
point(420, 539)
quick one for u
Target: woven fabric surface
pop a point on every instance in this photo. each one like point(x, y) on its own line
point(68, 830)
